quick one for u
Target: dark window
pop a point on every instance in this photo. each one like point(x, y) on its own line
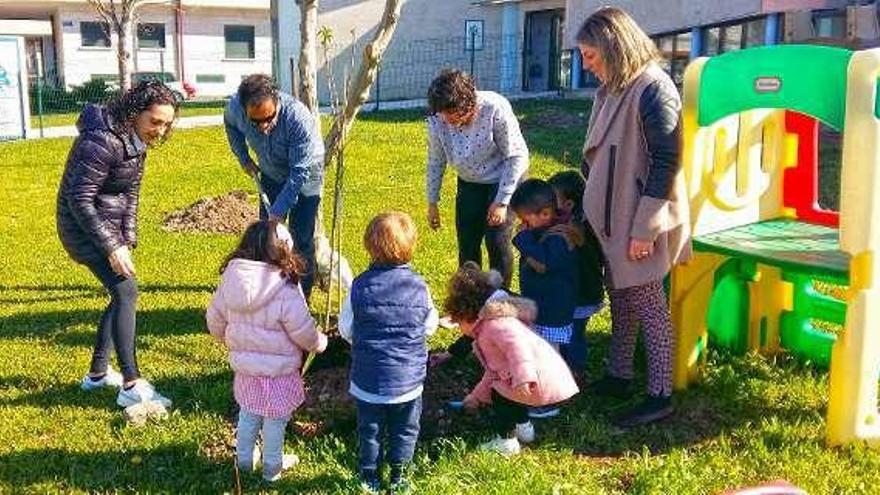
point(239, 41)
point(732, 38)
point(755, 31)
point(210, 78)
point(151, 35)
point(675, 49)
point(712, 41)
point(830, 23)
point(96, 34)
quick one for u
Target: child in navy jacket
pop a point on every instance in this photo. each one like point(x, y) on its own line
point(387, 317)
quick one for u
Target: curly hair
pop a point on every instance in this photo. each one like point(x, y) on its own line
point(452, 90)
point(468, 291)
point(260, 242)
point(255, 89)
point(128, 106)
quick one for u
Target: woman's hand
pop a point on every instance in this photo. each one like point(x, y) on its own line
point(434, 216)
point(497, 214)
point(121, 263)
point(640, 250)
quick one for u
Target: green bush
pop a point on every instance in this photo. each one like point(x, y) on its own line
point(56, 99)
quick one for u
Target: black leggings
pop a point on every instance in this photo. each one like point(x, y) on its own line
point(117, 326)
point(472, 203)
point(506, 414)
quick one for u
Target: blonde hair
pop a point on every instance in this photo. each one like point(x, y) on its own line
point(624, 47)
point(390, 238)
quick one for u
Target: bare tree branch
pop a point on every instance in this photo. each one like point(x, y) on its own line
point(359, 88)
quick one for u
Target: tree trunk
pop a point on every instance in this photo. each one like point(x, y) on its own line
point(359, 89)
point(124, 48)
point(308, 70)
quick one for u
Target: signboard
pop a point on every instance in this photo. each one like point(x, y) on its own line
point(14, 112)
point(473, 35)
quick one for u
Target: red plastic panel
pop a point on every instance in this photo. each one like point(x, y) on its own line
point(801, 183)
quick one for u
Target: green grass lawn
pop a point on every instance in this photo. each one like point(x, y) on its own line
point(753, 419)
point(62, 119)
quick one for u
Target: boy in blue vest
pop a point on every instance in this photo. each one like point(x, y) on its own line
point(387, 317)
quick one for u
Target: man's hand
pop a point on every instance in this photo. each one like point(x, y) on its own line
point(434, 216)
point(250, 168)
point(121, 263)
point(497, 214)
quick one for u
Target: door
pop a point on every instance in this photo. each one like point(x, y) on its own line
point(542, 54)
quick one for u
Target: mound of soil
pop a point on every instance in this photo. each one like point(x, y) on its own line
point(228, 214)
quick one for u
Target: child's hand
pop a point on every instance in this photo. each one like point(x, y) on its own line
point(524, 388)
point(470, 403)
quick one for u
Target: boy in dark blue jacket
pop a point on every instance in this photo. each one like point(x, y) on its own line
point(387, 317)
point(569, 188)
point(548, 259)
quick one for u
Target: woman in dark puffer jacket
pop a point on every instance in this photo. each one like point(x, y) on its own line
point(97, 220)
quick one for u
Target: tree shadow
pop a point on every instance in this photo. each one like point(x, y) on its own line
point(56, 325)
point(166, 469)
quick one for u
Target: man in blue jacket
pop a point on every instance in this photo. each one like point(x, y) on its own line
point(287, 141)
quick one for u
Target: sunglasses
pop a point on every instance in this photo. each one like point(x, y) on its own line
point(264, 120)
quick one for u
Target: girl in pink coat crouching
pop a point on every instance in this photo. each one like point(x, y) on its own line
point(521, 370)
point(260, 313)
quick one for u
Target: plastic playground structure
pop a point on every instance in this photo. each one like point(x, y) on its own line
point(761, 240)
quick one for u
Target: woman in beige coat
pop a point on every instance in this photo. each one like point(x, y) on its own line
point(634, 200)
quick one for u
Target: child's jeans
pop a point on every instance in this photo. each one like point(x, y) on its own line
point(249, 426)
point(506, 414)
point(396, 424)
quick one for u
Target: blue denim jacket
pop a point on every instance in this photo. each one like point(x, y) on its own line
point(292, 153)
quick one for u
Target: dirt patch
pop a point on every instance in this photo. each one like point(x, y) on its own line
point(227, 214)
point(556, 118)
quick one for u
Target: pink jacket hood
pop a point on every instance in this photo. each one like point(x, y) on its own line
point(263, 319)
point(247, 285)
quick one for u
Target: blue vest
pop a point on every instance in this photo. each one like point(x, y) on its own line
point(389, 352)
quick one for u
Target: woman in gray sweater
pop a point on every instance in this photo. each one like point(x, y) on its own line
point(476, 132)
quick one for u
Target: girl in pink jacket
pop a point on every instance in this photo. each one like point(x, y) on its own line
point(521, 369)
point(260, 313)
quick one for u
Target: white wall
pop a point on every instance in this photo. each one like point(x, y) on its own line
point(205, 50)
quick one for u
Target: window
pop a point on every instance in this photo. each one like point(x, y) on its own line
point(755, 30)
point(711, 41)
point(830, 23)
point(239, 41)
point(94, 34)
point(676, 51)
point(151, 35)
point(210, 78)
point(732, 38)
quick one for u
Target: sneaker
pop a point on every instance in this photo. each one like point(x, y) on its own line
point(140, 392)
point(650, 410)
point(543, 412)
point(111, 378)
point(370, 482)
point(401, 486)
point(611, 386)
point(525, 432)
point(504, 446)
point(287, 462)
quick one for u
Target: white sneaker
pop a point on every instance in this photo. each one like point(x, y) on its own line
point(504, 446)
point(287, 462)
point(140, 392)
point(111, 378)
point(525, 432)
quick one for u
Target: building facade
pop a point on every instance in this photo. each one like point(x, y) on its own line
point(209, 44)
point(685, 29)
